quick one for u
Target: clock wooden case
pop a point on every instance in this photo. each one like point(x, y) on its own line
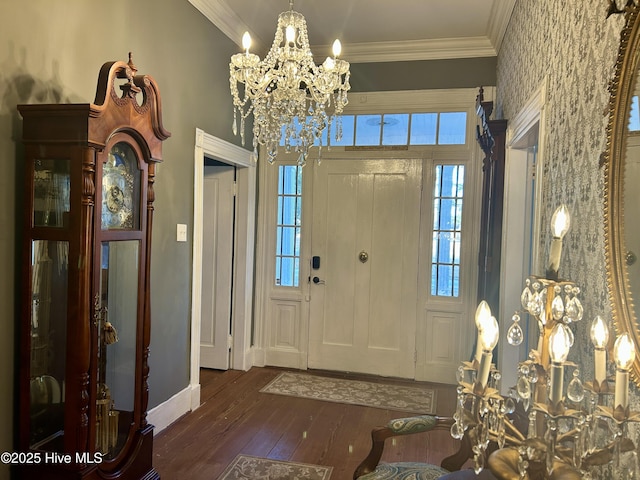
point(85, 314)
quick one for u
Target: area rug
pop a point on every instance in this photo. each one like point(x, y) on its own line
point(258, 468)
point(393, 397)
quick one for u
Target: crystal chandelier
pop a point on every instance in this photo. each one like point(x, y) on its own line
point(290, 96)
point(542, 430)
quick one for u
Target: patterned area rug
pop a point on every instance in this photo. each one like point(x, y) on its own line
point(393, 397)
point(257, 468)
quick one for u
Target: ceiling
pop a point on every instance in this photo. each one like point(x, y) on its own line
point(373, 30)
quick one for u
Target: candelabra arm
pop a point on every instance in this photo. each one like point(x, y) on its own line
point(509, 440)
point(520, 437)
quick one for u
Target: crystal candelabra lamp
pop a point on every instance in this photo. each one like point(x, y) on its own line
point(289, 95)
point(541, 429)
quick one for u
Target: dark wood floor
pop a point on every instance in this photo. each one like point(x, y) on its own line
point(235, 418)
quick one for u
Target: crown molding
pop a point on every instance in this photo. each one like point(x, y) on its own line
point(226, 20)
point(412, 50)
point(500, 16)
point(230, 24)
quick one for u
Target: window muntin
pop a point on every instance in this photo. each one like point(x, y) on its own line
point(397, 129)
point(288, 226)
point(348, 131)
point(424, 128)
point(447, 230)
point(368, 128)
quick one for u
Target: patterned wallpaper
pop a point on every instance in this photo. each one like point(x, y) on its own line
point(574, 46)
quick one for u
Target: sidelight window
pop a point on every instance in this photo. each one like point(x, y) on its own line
point(447, 230)
point(288, 226)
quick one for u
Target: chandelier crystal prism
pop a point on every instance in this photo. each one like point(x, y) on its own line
point(291, 97)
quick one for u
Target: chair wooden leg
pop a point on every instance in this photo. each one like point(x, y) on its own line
point(369, 464)
point(464, 453)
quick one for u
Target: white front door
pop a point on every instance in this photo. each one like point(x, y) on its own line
point(217, 261)
point(363, 295)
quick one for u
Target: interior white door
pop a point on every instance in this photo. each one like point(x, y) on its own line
point(363, 296)
point(217, 261)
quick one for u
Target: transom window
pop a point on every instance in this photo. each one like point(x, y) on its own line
point(447, 230)
point(288, 225)
point(398, 129)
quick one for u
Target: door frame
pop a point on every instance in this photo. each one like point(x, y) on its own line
point(281, 313)
point(531, 117)
point(241, 319)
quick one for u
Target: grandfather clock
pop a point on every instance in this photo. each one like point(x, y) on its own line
point(85, 313)
point(491, 138)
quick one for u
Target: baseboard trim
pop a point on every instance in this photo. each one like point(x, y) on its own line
point(259, 357)
point(172, 409)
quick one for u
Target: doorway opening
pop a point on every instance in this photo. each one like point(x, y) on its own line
point(241, 161)
point(217, 264)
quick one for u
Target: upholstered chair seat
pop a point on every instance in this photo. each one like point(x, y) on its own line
point(405, 471)
point(372, 469)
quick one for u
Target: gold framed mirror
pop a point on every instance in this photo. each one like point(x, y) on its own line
point(622, 195)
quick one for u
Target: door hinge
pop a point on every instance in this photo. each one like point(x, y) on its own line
point(235, 189)
point(229, 342)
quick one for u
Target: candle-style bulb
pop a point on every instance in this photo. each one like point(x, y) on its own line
point(560, 222)
point(599, 333)
point(290, 34)
point(337, 48)
point(246, 41)
point(624, 352)
point(483, 313)
point(559, 343)
point(600, 338)
point(489, 333)
point(488, 338)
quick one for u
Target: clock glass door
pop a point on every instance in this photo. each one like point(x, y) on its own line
point(116, 317)
point(118, 305)
point(48, 343)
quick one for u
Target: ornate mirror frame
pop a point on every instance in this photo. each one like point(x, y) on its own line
point(622, 90)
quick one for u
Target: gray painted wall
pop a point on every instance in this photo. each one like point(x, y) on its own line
point(51, 52)
point(427, 74)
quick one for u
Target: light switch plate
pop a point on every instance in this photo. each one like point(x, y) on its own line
point(181, 233)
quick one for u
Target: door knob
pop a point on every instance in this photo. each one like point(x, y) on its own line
point(363, 256)
point(317, 281)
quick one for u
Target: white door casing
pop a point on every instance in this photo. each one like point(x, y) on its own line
point(217, 274)
point(243, 263)
point(520, 222)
